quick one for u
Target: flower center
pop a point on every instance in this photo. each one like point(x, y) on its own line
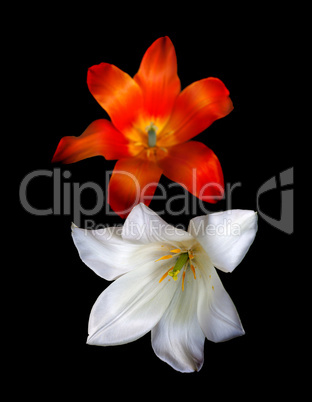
point(182, 263)
point(151, 132)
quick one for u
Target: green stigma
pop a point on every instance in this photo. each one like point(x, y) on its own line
point(151, 132)
point(181, 261)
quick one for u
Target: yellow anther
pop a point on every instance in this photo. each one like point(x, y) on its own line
point(191, 256)
point(193, 270)
point(165, 257)
point(176, 250)
point(183, 277)
point(165, 275)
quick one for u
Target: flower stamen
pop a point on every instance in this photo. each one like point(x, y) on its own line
point(165, 275)
point(193, 270)
point(183, 277)
point(176, 251)
point(165, 257)
point(182, 262)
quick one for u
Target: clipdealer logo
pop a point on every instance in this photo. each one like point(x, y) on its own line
point(283, 184)
point(67, 197)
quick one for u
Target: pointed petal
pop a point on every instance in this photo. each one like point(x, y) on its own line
point(134, 180)
point(116, 92)
point(158, 79)
point(195, 167)
point(99, 138)
point(131, 306)
point(196, 108)
point(178, 338)
point(107, 254)
point(145, 226)
point(225, 236)
point(217, 314)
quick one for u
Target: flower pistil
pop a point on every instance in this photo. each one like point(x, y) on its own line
point(182, 263)
point(151, 132)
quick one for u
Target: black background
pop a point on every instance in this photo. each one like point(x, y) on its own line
point(249, 51)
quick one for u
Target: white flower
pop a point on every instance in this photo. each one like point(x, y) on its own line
point(166, 281)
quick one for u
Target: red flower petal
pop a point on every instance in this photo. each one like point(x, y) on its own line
point(158, 79)
point(100, 138)
point(116, 92)
point(134, 180)
point(195, 167)
point(197, 106)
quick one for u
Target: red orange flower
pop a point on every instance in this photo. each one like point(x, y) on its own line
point(151, 122)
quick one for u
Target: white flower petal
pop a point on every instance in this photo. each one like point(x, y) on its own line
point(178, 338)
point(217, 314)
point(225, 236)
point(144, 226)
point(107, 254)
point(131, 306)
